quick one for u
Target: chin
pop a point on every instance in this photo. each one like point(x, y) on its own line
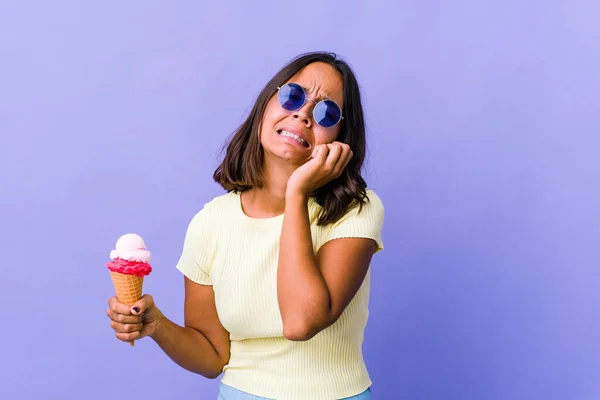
point(291, 157)
point(281, 154)
point(285, 152)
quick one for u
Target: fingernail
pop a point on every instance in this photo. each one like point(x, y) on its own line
point(136, 309)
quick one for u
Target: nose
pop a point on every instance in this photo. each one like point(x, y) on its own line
point(304, 114)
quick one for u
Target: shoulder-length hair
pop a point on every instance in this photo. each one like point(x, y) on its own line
point(241, 168)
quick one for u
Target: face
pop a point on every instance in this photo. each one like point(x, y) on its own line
point(320, 81)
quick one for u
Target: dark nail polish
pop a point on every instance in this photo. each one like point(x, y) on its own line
point(136, 309)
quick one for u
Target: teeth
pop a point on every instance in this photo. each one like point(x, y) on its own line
point(299, 139)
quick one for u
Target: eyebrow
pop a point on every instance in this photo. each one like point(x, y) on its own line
point(327, 95)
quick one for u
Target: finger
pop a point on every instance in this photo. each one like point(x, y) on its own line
point(126, 328)
point(343, 160)
point(123, 319)
point(348, 159)
point(317, 149)
point(126, 337)
point(320, 153)
point(143, 304)
point(118, 307)
point(335, 152)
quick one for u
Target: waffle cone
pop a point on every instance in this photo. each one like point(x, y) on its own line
point(128, 288)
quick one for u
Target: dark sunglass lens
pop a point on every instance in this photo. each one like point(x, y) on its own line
point(291, 96)
point(327, 113)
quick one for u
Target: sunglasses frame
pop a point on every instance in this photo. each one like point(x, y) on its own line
point(314, 102)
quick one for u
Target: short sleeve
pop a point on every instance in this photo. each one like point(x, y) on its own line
point(198, 250)
point(368, 223)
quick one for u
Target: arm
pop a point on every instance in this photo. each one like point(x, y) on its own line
point(314, 291)
point(202, 345)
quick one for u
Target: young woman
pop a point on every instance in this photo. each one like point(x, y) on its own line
point(277, 269)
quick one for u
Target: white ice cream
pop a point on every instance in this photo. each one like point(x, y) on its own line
point(131, 247)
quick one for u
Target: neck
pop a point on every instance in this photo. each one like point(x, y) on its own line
point(269, 200)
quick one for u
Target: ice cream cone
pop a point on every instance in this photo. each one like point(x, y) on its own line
point(128, 288)
point(128, 266)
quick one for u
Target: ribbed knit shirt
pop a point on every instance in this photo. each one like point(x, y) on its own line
point(238, 256)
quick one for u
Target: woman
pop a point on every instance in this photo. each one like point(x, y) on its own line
point(277, 270)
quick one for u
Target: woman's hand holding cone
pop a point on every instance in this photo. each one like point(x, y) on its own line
point(133, 322)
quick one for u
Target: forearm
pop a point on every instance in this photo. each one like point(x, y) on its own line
point(302, 292)
point(189, 348)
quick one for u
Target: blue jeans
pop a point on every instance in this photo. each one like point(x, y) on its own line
point(229, 393)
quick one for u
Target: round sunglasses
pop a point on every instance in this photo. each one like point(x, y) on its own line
point(326, 113)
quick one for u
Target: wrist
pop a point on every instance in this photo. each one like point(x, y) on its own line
point(159, 326)
point(296, 197)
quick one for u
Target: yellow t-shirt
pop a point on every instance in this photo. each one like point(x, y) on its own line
point(238, 255)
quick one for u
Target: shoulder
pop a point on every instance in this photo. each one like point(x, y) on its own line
point(372, 208)
point(222, 202)
point(215, 209)
point(373, 200)
point(361, 221)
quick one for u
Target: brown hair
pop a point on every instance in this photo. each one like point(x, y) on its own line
point(241, 168)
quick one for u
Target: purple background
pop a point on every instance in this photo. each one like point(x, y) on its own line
point(483, 121)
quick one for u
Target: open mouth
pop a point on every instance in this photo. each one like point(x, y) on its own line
point(302, 142)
